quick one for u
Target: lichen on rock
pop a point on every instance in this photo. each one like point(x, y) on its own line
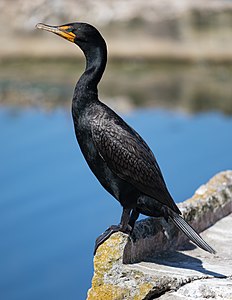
point(110, 273)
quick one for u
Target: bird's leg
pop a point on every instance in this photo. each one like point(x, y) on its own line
point(125, 220)
point(133, 218)
point(123, 226)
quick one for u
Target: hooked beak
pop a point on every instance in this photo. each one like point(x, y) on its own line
point(63, 31)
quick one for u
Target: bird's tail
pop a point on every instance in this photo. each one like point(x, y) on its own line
point(190, 232)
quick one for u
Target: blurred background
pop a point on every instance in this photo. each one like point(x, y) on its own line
point(168, 74)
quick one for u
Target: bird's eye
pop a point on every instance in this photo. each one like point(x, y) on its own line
point(67, 28)
point(70, 29)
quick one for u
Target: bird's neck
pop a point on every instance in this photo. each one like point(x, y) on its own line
point(86, 86)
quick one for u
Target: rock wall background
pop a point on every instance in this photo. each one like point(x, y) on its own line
point(153, 27)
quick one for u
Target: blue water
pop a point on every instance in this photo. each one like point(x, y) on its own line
point(52, 208)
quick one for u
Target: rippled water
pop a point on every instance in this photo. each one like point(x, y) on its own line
point(49, 215)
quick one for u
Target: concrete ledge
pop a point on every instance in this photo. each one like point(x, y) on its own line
point(147, 265)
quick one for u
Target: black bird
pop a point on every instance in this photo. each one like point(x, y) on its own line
point(117, 155)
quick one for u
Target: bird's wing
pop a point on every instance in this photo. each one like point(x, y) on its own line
point(130, 158)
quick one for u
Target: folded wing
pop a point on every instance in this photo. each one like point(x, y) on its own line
point(130, 158)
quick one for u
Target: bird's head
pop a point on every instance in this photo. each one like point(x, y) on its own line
point(82, 34)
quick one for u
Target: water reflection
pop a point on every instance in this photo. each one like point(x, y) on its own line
point(193, 88)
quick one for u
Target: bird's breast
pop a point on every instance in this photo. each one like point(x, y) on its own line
point(116, 186)
point(94, 160)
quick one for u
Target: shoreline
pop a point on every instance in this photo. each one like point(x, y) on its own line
point(157, 51)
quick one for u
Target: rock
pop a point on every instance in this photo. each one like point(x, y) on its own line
point(148, 265)
point(212, 288)
point(110, 273)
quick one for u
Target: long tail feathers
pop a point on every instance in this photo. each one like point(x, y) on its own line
point(191, 233)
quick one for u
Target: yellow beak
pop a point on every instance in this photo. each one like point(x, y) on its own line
point(62, 31)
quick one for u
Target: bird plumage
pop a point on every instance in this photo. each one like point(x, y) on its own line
point(129, 157)
point(117, 155)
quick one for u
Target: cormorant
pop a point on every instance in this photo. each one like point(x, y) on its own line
point(117, 155)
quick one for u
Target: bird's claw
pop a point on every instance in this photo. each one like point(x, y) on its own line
point(109, 231)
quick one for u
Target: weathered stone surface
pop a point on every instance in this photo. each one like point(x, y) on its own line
point(195, 272)
point(212, 288)
point(161, 271)
point(110, 273)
